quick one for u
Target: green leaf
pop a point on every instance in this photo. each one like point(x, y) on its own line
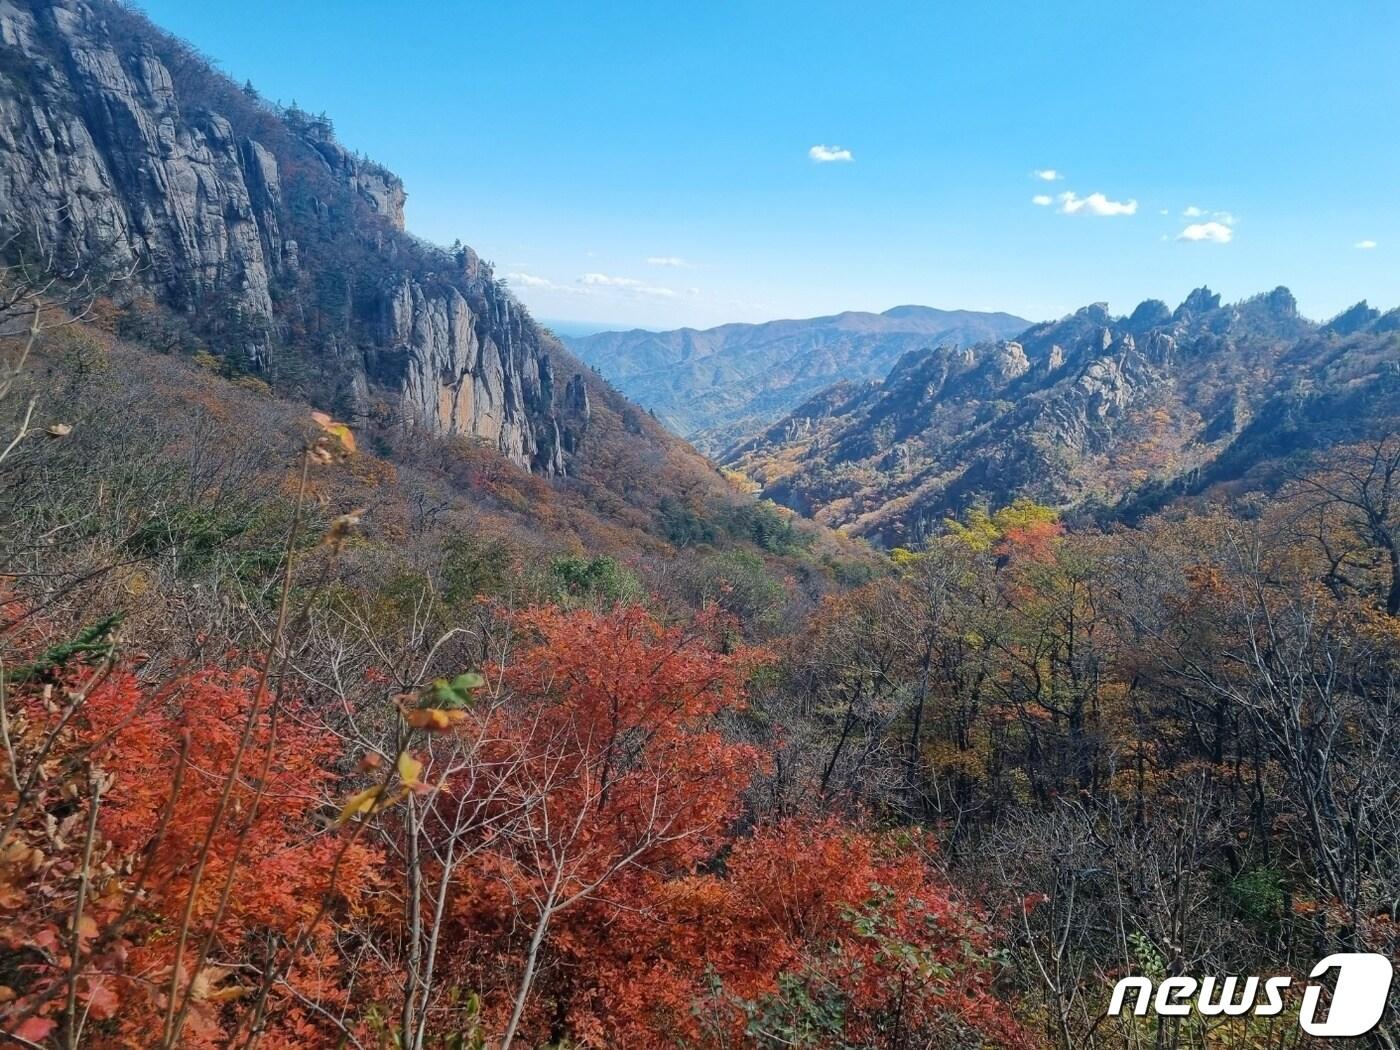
point(468, 681)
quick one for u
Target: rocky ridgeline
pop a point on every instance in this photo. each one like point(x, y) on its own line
point(720, 384)
point(1110, 414)
point(121, 148)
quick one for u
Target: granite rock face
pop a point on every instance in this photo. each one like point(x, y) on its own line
point(1094, 413)
point(122, 150)
point(99, 156)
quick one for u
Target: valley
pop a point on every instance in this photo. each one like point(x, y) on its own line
point(381, 669)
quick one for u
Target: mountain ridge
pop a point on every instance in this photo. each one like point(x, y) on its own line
point(1113, 414)
point(717, 384)
point(277, 248)
point(248, 242)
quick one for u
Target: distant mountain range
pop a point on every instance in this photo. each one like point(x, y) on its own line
point(722, 384)
point(1112, 415)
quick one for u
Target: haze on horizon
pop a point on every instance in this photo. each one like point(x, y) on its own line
point(635, 166)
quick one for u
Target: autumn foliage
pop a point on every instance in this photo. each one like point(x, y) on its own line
point(605, 869)
point(104, 740)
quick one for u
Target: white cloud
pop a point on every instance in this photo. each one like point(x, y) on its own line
point(1042, 199)
point(629, 285)
point(1164, 211)
point(609, 282)
point(1195, 211)
point(1366, 245)
point(830, 154)
point(1215, 232)
point(1048, 174)
point(521, 280)
point(667, 260)
point(1095, 204)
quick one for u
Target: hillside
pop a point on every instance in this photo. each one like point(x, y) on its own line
point(273, 246)
point(1110, 414)
point(241, 236)
point(721, 384)
point(373, 673)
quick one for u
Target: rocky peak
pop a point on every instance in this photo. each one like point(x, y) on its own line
point(1353, 319)
point(1281, 303)
point(1010, 361)
point(1278, 305)
point(1150, 313)
point(381, 189)
point(1095, 312)
point(1200, 302)
point(1272, 314)
point(1138, 401)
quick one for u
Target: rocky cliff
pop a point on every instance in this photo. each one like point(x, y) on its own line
point(122, 150)
point(1108, 414)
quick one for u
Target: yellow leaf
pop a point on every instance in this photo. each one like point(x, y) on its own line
point(59, 430)
point(360, 802)
point(203, 986)
point(229, 994)
point(342, 432)
point(434, 719)
point(335, 429)
point(409, 769)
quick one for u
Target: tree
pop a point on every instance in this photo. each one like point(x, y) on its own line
point(1361, 484)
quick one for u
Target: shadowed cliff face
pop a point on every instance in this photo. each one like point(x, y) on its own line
point(120, 147)
point(1110, 414)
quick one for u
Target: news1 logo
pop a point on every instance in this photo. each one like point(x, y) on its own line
point(1357, 1002)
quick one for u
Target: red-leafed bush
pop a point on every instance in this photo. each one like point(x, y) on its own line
point(110, 810)
point(564, 860)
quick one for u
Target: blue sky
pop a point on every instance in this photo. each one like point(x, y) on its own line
point(652, 164)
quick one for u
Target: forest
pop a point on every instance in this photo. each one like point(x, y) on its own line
point(299, 752)
point(375, 675)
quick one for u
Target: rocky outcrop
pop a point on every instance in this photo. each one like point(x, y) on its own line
point(1201, 302)
point(578, 412)
point(725, 384)
point(460, 372)
point(1354, 319)
point(122, 150)
point(98, 158)
point(380, 188)
point(1010, 361)
point(1091, 410)
point(1150, 313)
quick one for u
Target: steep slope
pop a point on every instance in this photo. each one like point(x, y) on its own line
point(241, 237)
point(284, 252)
point(720, 384)
point(1092, 411)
